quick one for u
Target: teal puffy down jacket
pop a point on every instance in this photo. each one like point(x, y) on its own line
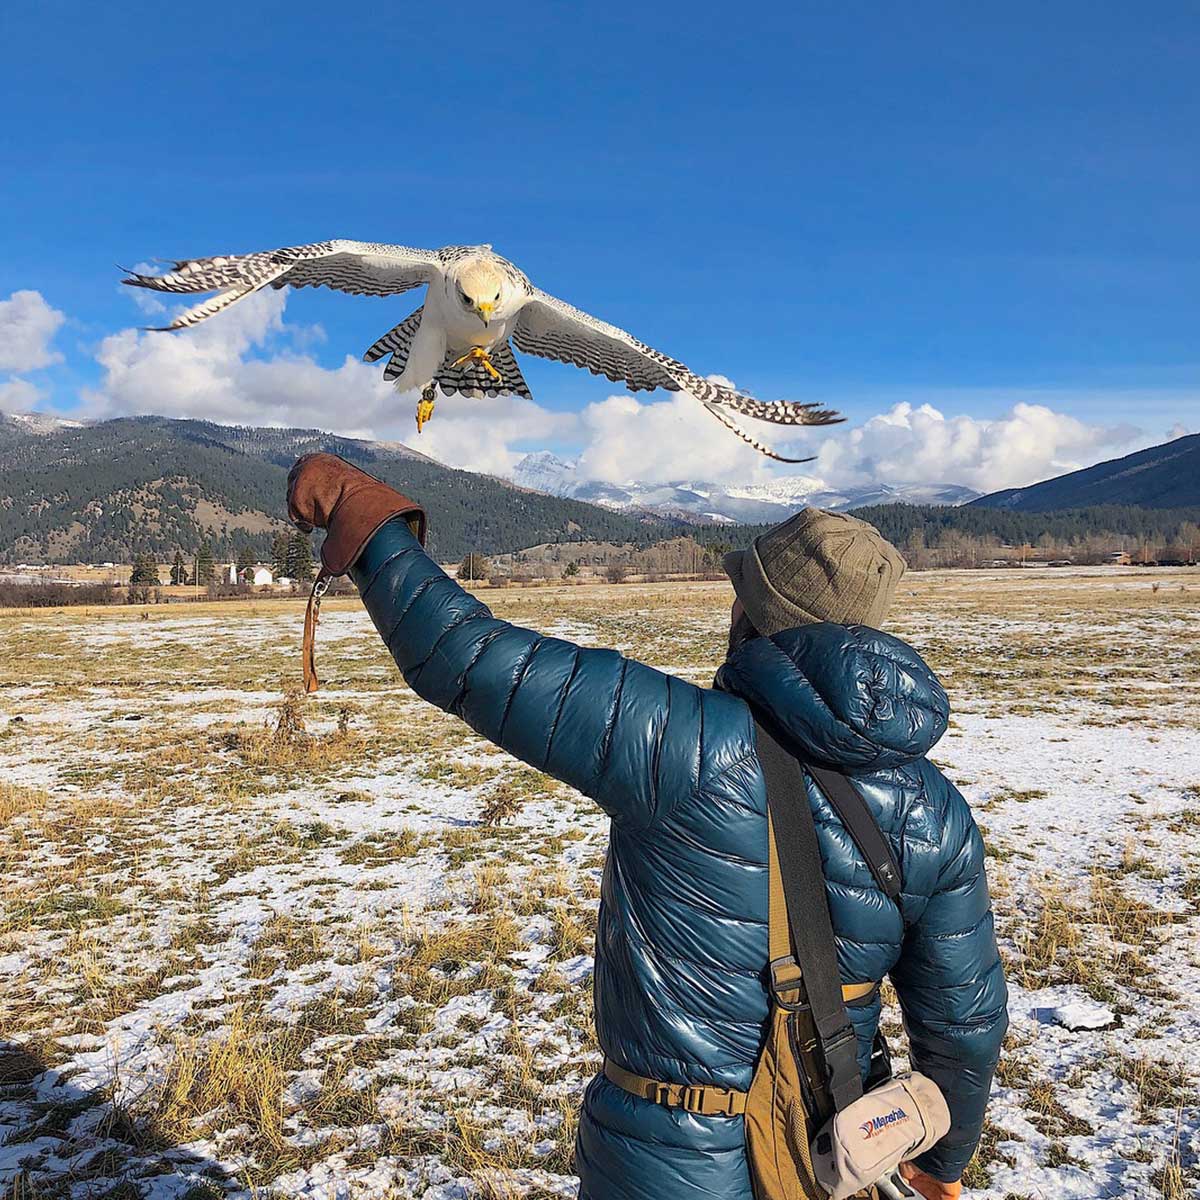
point(682, 938)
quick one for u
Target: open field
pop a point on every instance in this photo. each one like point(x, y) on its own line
point(341, 947)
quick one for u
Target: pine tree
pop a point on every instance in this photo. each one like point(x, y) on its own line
point(300, 558)
point(178, 570)
point(145, 569)
point(279, 555)
point(205, 567)
point(245, 558)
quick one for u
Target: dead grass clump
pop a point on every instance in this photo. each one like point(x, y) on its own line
point(1063, 942)
point(15, 801)
point(1170, 1179)
point(288, 748)
point(1049, 1116)
point(286, 943)
point(1158, 1085)
point(439, 955)
point(235, 1076)
point(504, 803)
point(513, 792)
point(376, 850)
point(489, 887)
point(1126, 918)
point(978, 1172)
point(571, 935)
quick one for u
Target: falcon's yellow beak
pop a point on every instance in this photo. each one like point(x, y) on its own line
point(485, 311)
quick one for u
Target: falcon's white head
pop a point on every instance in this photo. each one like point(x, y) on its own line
point(480, 286)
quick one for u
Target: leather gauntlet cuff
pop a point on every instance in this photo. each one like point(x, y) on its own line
point(356, 518)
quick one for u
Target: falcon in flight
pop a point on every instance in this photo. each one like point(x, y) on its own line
point(478, 306)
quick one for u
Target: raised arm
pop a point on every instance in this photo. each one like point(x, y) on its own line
point(951, 989)
point(622, 733)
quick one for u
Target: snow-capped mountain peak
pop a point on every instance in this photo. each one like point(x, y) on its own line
point(544, 471)
point(703, 501)
point(38, 423)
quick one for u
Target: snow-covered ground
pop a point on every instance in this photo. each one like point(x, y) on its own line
point(353, 959)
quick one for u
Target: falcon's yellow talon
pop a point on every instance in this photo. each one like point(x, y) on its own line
point(480, 355)
point(424, 412)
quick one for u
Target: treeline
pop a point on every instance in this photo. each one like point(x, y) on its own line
point(897, 522)
point(940, 536)
point(971, 536)
point(58, 595)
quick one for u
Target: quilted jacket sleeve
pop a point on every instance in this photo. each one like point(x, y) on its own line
point(622, 733)
point(951, 988)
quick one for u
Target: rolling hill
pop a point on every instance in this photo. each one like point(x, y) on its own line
point(1166, 476)
point(92, 492)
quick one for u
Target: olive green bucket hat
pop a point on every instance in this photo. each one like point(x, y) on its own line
point(816, 566)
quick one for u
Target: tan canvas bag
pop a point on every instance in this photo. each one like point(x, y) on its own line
point(778, 1136)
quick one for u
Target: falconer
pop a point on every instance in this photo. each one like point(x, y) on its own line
point(682, 937)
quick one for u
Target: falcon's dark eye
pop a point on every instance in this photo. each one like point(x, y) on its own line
point(465, 299)
point(497, 297)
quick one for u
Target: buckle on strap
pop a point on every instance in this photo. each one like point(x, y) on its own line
point(840, 1052)
point(703, 1099)
point(786, 976)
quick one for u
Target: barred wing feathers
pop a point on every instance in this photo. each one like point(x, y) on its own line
point(551, 328)
point(359, 268)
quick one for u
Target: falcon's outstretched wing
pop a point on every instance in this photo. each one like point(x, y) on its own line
point(360, 268)
point(551, 328)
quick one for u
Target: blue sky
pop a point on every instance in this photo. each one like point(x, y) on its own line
point(870, 205)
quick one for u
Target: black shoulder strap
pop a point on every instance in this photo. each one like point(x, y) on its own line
point(808, 915)
point(852, 809)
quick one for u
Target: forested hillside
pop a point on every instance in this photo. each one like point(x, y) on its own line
point(1166, 476)
point(97, 492)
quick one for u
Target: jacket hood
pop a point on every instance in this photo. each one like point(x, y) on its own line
point(844, 696)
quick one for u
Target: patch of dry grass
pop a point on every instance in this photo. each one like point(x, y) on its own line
point(286, 748)
point(1092, 940)
point(235, 1076)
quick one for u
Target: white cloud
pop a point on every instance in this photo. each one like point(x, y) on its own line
point(27, 327)
point(919, 444)
point(18, 395)
point(662, 441)
point(248, 367)
point(668, 441)
point(479, 435)
point(218, 372)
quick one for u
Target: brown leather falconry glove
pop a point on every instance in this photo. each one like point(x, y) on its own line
point(327, 492)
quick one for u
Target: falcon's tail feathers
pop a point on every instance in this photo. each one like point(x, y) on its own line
point(472, 378)
point(749, 439)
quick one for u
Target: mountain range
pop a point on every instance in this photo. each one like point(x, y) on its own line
point(711, 503)
point(1166, 476)
point(95, 492)
point(98, 491)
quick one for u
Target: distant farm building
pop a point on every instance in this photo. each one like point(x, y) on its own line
point(252, 576)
